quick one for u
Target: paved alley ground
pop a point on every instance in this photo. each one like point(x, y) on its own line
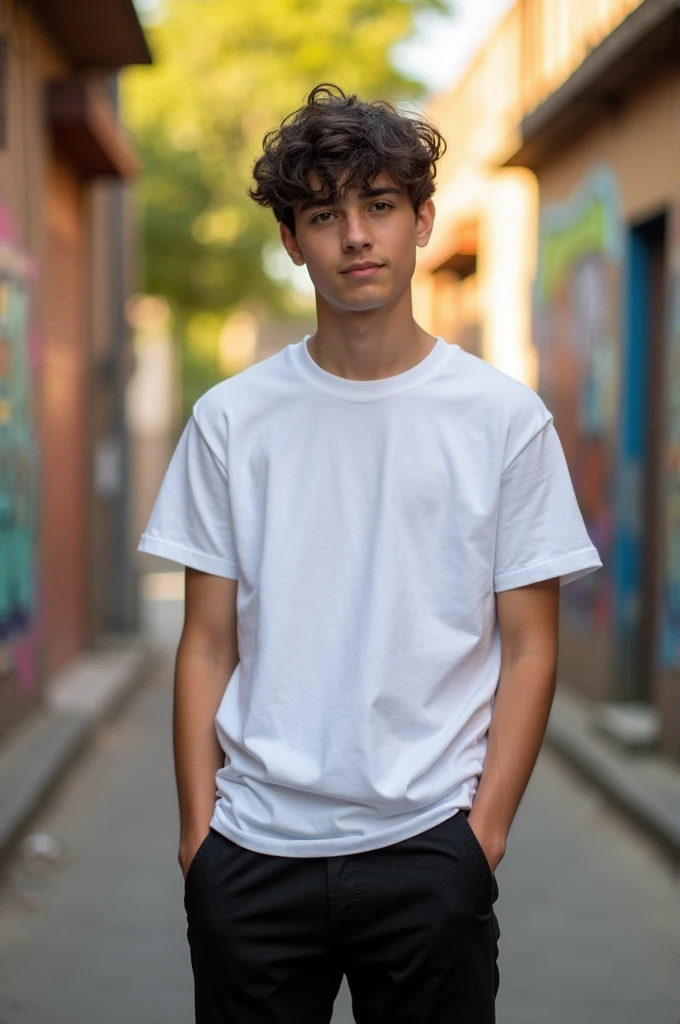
point(589, 912)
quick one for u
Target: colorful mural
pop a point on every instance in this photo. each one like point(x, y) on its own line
point(576, 307)
point(19, 469)
point(670, 647)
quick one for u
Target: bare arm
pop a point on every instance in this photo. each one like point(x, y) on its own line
point(528, 621)
point(206, 657)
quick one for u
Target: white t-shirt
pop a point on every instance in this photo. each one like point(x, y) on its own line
point(369, 524)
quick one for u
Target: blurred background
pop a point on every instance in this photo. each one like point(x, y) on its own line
point(135, 273)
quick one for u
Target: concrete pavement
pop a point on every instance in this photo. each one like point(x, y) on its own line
point(43, 745)
point(644, 785)
point(589, 909)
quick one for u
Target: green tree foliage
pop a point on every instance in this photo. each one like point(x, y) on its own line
point(224, 73)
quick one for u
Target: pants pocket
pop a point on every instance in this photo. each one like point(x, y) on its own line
point(197, 857)
point(475, 848)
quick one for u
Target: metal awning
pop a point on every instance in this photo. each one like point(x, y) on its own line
point(462, 249)
point(648, 40)
point(95, 33)
point(85, 129)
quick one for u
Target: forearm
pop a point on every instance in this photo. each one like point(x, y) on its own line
point(199, 686)
point(525, 693)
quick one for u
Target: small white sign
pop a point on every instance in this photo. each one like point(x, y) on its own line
point(108, 476)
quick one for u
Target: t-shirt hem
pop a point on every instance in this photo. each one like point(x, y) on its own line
point(335, 847)
point(568, 567)
point(187, 556)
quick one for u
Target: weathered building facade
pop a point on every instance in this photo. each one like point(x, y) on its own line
point(558, 256)
point(65, 263)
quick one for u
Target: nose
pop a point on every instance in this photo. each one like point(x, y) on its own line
point(356, 235)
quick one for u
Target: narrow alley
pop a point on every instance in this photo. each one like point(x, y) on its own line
point(588, 909)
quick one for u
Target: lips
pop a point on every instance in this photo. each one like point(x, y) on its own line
point(365, 269)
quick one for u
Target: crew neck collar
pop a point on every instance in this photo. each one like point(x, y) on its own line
point(367, 390)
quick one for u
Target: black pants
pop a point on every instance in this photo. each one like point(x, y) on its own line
point(410, 925)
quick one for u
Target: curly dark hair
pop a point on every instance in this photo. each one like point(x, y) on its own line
point(335, 136)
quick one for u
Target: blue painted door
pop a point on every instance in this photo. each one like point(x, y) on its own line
point(638, 481)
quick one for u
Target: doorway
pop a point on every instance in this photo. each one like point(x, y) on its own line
point(640, 473)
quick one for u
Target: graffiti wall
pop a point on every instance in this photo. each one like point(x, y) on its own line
point(576, 305)
point(671, 588)
point(20, 605)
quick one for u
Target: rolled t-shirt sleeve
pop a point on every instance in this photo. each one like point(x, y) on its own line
point(191, 521)
point(540, 530)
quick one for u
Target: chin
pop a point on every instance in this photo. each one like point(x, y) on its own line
point(366, 299)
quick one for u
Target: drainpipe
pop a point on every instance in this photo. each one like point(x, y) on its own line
point(124, 611)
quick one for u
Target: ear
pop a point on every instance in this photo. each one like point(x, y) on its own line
point(424, 222)
point(291, 246)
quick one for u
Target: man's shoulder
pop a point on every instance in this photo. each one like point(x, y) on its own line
point(497, 389)
point(243, 389)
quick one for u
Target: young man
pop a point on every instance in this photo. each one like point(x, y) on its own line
point(375, 525)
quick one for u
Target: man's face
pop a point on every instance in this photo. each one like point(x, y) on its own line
point(360, 250)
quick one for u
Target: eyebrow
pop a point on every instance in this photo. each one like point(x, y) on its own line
point(367, 193)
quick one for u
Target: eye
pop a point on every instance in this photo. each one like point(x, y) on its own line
point(322, 218)
point(381, 206)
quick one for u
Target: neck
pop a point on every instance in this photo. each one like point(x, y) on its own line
point(371, 344)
